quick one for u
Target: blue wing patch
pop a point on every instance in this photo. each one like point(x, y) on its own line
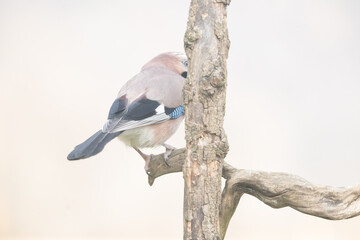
point(177, 112)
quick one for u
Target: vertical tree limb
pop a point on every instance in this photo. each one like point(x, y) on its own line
point(206, 45)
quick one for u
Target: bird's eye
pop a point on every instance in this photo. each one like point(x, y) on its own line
point(185, 63)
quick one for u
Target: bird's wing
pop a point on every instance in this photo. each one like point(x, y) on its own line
point(139, 113)
point(148, 98)
point(118, 108)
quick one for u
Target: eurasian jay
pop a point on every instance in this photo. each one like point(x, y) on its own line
point(147, 111)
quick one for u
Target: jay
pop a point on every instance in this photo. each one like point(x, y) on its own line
point(147, 111)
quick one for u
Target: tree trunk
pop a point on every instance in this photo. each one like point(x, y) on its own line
point(206, 45)
point(207, 211)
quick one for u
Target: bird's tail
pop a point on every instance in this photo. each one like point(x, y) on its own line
point(92, 146)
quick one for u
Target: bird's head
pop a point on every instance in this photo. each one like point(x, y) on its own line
point(174, 61)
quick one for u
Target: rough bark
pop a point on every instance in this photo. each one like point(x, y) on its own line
point(277, 190)
point(206, 45)
point(207, 212)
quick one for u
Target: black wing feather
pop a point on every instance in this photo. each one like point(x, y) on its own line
point(141, 109)
point(141, 112)
point(117, 108)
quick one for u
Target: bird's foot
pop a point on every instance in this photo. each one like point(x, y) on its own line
point(168, 151)
point(147, 162)
point(147, 159)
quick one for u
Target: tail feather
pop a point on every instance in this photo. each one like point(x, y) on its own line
point(92, 145)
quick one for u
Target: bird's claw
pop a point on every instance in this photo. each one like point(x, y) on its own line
point(169, 150)
point(166, 157)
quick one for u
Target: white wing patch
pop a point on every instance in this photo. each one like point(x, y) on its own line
point(126, 125)
point(160, 109)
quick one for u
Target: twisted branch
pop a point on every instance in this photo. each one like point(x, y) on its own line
point(277, 190)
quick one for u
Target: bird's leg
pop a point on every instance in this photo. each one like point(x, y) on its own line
point(168, 151)
point(146, 158)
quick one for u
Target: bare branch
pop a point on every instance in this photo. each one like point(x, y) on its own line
point(229, 201)
point(158, 167)
point(277, 190)
point(285, 190)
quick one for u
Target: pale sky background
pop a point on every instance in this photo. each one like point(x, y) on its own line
point(293, 105)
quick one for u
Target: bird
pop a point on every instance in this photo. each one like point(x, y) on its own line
point(147, 111)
